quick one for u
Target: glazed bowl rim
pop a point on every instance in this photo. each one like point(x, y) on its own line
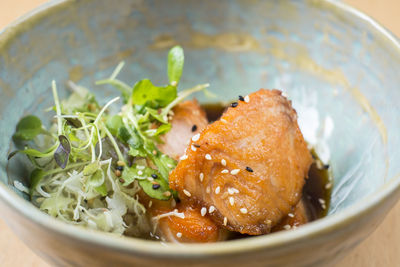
point(317, 228)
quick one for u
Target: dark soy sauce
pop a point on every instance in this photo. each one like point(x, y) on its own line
point(318, 186)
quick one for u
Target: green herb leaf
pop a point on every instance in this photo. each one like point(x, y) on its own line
point(130, 138)
point(97, 178)
point(145, 92)
point(154, 191)
point(36, 176)
point(114, 123)
point(61, 155)
point(159, 131)
point(123, 134)
point(129, 174)
point(37, 154)
point(28, 128)
point(91, 168)
point(140, 152)
point(164, 164)
point(163, 129)
point(154, 113)
point(102, 190)
point(175, 64)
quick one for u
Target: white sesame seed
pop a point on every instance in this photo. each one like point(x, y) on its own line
point(179, 235)
point(183, 157)
point(235, 171)
point(201, 177)
point(193, 148)
point(151, 179)
point(203, 211)
point(235, 190)
point(139, 172)
point(321, 201)
point(287, 227)
point(187, 193)
point(217, 190)
point(208, 157)
point(243, 210)
point(328, 185)
point(150, 203)
point(231, 201)
point(225, 171)
point(224, 121)
point(196, 137)
point(225, 221)
point(247, 99)
point(208, 190)
point(211, 209)
point(291, 215)
point(223, 162)
point(170, 165)
point(230, 191)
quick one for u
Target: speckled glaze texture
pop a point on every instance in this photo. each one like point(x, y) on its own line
point(323, 54)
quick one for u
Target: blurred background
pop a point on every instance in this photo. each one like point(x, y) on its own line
point(380, 249)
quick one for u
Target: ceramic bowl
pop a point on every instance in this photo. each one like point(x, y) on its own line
point(339, 67)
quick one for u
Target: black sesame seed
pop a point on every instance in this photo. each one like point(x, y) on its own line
point(85, 200)
point(194, 127)
point(154, 175)
point(156, 186)
point(120, 168)
point(249, 169)
point(241, 98)
point(326, 166)
point(234, 104)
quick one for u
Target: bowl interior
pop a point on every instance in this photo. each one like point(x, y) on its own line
point(340, 73)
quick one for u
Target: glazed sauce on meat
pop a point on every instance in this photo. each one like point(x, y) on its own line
point(318, 186)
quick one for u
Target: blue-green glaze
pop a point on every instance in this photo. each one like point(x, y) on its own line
point(321, 53)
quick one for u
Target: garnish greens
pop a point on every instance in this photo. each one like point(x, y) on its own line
point(89, 166)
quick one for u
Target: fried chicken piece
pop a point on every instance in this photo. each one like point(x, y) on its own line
point(248, 168)
point(185, 224)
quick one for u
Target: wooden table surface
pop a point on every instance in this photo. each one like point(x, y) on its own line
point(382, 248)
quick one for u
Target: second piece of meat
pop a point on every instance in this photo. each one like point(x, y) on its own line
point(188, 119)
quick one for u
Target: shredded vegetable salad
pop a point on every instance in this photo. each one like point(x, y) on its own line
point(90, 164)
